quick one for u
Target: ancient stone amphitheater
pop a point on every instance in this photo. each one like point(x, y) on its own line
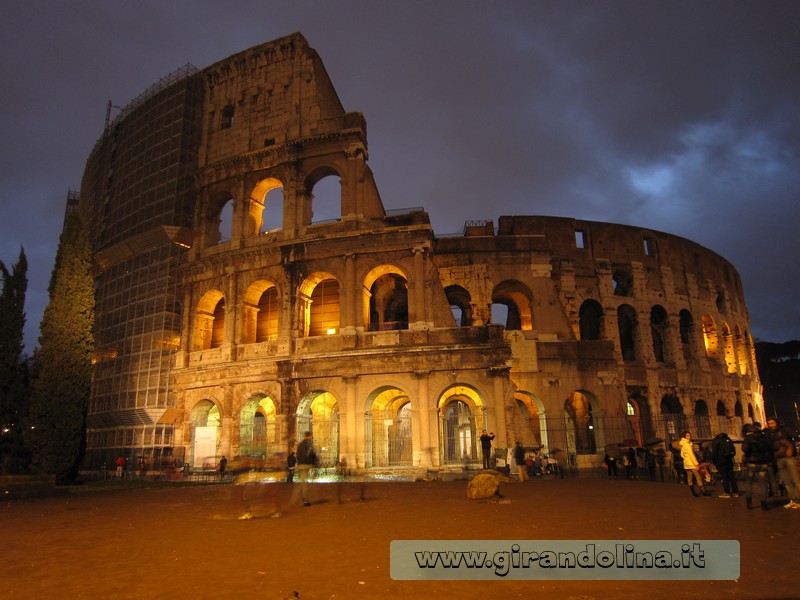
point(252, 286)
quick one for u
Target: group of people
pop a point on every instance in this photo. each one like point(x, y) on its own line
point(769, 460)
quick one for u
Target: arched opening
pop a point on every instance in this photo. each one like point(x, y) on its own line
point(388, 429)
point(737, 410)
point(325, 189)
point(209, 325)
point(319, 305)
point(626, 324)
point(461, 418)
point(266, 206)
point(721, 410)
point(730, 351)
point(591, 320)
point(580, 424)
point(741, 351)
point(260, 319)
point(658, 330)
point(388, 303)
point(672, 414)
point(258, 435)
point(204, 421)
point(622, 281)
point(530, 424)
point(460, 303)
point(318, 413)
point(701, 419)
point(686, 331)
point(516, 298)
point(710, 336)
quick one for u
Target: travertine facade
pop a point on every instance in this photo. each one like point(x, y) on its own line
point(230, 321)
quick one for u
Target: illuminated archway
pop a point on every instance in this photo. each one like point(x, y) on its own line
point(261, 311)
point(204, 421)
point(516, 298)
point(461, 418)
point(388, 428)
point(385, 298)
point(318, 412)
point(266, 206)
point(580, 424)
point(209, 324)
point(530, 423)
point(258, 435)
point(320, 308)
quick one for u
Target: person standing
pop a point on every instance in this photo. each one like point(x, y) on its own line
point(691, 465)
point(291, 462)
point(722, 455)
point(758, 460)
point(786, 459)
point(223, 463)
point(773, 433)
point(120, 467)
point(519, 458)
point(306, 459)
point(486, 448)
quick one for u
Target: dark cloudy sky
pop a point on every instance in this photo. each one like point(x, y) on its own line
point(678, 116)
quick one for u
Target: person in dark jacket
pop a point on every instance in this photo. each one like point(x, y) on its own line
point(757, 450)
point(519, 458)
point(723, 453)
point(306, 459)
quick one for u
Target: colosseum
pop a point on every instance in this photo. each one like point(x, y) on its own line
point(251, 286)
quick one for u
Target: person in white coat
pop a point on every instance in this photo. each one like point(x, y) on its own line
point(691, 465)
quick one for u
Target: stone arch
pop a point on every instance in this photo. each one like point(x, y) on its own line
point(461, 418)
point(686, 332)
point(258, 431)
point(626, 324)
point(710, 336)
point(318, 412)
point(701, 419)
point(728, 347)
point(323, 188)
point(590, 320)
point(217, 218)
point(722, 410)
point(386, 298)
point(460, 303)
point(640, 418)
point(579, 419)
point(672, 414)
point(205, 424)
point(266, 206)
point(261, 312)
point(741, 351)
point(319, 305)
point(530, 426)
point(622, 281)
point(209, 323)
point(658, 331)
point(517, 299)
point(387, 433)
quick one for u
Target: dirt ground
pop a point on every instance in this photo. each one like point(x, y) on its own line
point(188, 542)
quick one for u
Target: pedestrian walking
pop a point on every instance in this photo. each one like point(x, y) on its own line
point(758, 457)
point(722, 455)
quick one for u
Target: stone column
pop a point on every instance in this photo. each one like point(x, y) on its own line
point(421, 442)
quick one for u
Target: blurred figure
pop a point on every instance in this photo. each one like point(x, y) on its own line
point(222, 464)
point(519, 459)
point(291, 462)
point(722, 455)
point(758, 460)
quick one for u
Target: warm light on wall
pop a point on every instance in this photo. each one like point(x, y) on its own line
point(331, 331)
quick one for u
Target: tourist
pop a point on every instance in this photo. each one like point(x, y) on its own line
point(758, 460)
point(291, 461)
point(691, 465)
point(519, 458)
point(306, 459)
point(722, 455)
point(223, 463)
point(486, 448)
point(786, 459)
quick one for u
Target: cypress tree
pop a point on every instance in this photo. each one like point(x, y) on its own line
point(61, 371)
point(13, 366)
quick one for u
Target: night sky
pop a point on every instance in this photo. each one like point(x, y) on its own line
point(682, 117)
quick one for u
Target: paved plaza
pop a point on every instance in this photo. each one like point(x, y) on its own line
point(187, 542)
